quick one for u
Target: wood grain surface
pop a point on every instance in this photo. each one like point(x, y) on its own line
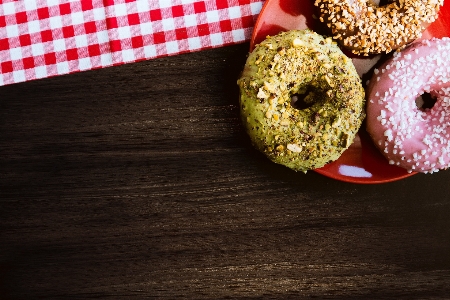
point(138, 182)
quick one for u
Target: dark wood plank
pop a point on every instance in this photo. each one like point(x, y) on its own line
point(138, 181)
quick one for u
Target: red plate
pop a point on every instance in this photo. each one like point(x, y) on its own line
point(362, 162)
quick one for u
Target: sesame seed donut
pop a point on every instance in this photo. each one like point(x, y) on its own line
point(365, 28)
point(300, 63)
point(410, 136)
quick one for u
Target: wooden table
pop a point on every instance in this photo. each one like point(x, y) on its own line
point(138, 182)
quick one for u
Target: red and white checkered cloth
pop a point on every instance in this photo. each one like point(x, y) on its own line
point(43, 38)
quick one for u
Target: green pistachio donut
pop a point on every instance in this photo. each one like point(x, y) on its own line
point(300, 64)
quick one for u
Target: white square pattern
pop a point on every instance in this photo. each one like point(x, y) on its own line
point(168, 24)
point(37, 49)
point(212, 16)
point(12, 30)
point(55, 22)
point(124, 32)
point(34, 26)
point(77, 18)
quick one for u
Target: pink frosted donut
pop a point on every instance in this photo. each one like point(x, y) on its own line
point(411, 137)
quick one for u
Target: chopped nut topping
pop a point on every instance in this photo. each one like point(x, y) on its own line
point(294, 147)
point(297, 43)
point(364, 32)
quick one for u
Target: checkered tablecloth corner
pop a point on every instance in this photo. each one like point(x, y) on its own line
point(46, 38)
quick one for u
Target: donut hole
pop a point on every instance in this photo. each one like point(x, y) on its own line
point(425, 102)
point(303, 100)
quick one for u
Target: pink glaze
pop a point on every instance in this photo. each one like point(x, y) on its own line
point(412, 138)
